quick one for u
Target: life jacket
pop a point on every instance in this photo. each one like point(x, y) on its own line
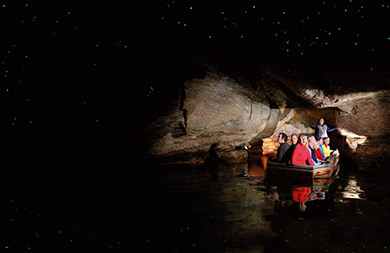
point(326, 150)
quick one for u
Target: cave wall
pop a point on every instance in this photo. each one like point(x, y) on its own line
point(216, 109)
point(238, 106)
point(368, 118)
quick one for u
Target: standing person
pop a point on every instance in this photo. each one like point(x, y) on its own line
point(326, 147)
point(322, 129)
point(282, 139)
point(301, 155)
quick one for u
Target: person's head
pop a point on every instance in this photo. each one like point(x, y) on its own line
point(311, 140)
point(316, 145)
point(321, 141)
point(321, 121)
point(303, 139)
point(294, 139)
point(282, 138)
point(326, 140)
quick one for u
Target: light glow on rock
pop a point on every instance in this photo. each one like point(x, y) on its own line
point(353, 140)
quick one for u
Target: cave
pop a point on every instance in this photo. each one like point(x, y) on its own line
point(151, 126)
point(218, 83)
point(202, 114)
point(236, 104)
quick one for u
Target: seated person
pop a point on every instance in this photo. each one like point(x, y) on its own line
point(326, 147)
point(313, 142)
point(290, 151)
point(318, 152)
point(321, 142)
point(282, 139)
point(301, 155)
point(294, 140)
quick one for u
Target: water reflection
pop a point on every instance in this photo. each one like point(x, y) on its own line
point(300, 193)
point(222, 207)
point(292, 189)
point(256, 164)
point(350, 190)
point(213, 161)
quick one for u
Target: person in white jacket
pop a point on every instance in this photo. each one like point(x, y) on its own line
point(322, 129)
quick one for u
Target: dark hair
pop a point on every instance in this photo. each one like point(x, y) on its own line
point(284, 136)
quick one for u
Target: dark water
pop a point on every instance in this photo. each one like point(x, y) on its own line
point(179, 208)
point(351, 213)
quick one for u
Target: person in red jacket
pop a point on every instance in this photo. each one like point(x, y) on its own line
point(318, 152)
point(301, 155)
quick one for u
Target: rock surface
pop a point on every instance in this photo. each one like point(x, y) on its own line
point(367, 124)
point(216, 110)
point(246, 105)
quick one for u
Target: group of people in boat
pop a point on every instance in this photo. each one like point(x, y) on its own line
point(305, 150)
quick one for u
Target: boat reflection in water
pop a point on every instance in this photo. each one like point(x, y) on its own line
point(293, 187)
point(300, 190)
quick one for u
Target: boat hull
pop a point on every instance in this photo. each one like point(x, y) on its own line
point(324, 170)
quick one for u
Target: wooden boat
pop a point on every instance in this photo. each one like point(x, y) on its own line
point(324, 170)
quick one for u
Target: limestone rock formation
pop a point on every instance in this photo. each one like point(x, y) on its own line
point(367, 131)
point(233, 108)
point(216, 109)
